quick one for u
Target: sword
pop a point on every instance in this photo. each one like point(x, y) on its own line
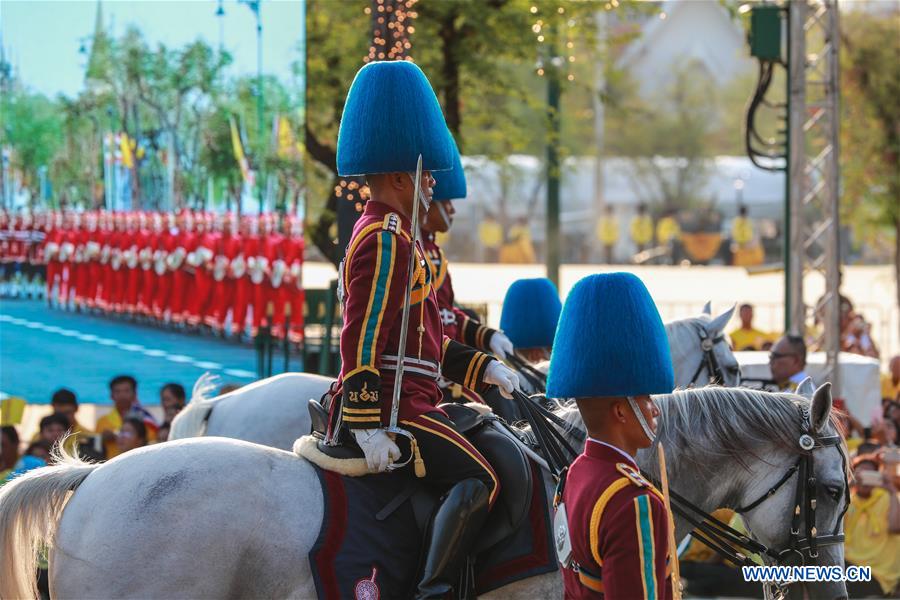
point(404, 320)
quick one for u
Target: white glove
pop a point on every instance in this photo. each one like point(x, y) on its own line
point(503, 377)
point(501, 346)
point(380, 450)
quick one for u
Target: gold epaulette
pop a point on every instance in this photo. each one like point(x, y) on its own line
point(633, 475)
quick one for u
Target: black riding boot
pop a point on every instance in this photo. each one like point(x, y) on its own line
point(452, 535)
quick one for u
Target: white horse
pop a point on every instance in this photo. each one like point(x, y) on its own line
point(215, 517)
point(273, 411)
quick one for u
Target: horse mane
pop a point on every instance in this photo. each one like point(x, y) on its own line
point(191, 421)
point(734, 423)
point(682, 333)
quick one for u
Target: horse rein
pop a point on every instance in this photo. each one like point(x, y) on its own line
point(709, 360)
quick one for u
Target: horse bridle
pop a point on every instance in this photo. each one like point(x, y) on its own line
point(709, 360)
point(728, 542)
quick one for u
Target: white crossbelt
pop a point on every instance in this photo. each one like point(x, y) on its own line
point(427, 368)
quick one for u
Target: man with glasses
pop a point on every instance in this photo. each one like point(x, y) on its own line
point(787, 361)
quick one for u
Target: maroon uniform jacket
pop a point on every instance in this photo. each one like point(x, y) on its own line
point(457, 324)
point(373, 282)
point(618, 526)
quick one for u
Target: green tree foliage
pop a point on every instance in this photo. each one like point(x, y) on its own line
point(870, 131)
point(33, 127)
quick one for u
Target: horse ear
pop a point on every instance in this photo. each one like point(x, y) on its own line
point(807, 388)
point(821, 407)
point(707, 308)
point(718, 324)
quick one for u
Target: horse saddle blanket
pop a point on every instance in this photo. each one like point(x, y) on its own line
point(373, 532)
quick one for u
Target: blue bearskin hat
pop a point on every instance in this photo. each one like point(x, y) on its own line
point(390, 117)
point(531, 312)
point(610, 342)
point(451, 185)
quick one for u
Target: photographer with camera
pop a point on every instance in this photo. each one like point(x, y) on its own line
point(872, 524)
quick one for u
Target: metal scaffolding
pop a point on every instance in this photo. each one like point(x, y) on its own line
point(814, 172)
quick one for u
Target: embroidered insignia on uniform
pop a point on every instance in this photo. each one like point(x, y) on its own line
point(391, 222)
point(633, 474)
point(367, 588)
point(366, 396)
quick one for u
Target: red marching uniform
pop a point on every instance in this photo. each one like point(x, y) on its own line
point(131, 249)
point(183, 263)
point(259, 268)
point(243, 291)
point(81, 262)
point(92, 259)
point(619, 529)
point(67, 260)
point(52, 245)
point(163, 258)
point(275, 253)
point(149, 243)
point(199, 299)
point(228, 247)
point(117, 261)
point(292, 291)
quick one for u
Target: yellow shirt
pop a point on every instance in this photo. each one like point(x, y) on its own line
point(889, 389)
point(608, 231)
point(667, 230)
point(868, 542)
point(491, 233)
point(742, 230)
point(641, 229)
point(697, 551)
point(748, 338)
point(112, 421)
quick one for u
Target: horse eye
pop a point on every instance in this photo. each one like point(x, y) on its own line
point(835, 492)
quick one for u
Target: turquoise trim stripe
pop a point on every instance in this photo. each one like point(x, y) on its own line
point(381, 283)
point(645, 536)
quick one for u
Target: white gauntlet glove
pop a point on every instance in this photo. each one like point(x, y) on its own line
point(501, 346)
point(503, 377)
point(380, 450)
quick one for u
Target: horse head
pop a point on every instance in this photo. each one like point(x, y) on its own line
point(700, 352)
point(777, 459)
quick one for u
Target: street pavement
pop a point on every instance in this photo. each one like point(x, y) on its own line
point(43, 349)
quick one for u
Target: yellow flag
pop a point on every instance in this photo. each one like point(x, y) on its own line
point(12, 409)
point(239, 151)
point(288, 146)
point(125, 146)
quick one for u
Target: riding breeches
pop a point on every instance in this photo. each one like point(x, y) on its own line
point(448, 456)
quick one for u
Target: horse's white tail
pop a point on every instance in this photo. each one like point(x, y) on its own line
point(191, 422)
point(30, 508)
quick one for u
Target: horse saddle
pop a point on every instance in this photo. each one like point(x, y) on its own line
point(506, 457)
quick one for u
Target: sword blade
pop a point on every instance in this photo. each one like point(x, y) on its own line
point(404, 319)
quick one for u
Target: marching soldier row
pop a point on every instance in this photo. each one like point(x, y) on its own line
point(192, 268)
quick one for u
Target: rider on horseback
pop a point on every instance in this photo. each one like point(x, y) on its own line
point(391, 117)
point(458, 325)
point(617, 520)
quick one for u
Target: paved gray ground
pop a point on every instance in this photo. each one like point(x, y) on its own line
point(43, 349)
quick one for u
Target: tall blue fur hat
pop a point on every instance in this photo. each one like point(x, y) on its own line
point(451, 185)
point(530, 313)
point(610, 341)
point(390, 117)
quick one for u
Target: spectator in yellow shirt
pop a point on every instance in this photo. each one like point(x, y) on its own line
point(872, 528)
point(641, 228)
point(490, 232)
point(667, 232)
point(123, 392)
point(890, 381)
point(608, 233)
point(742, 228)
point(747, 337)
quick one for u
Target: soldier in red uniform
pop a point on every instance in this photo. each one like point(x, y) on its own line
point(164, 248)
point(270, 303)
point(292, 290)
point(243, 292)
point(133, 241)
point(228, 246)
point(80, 266)
point(91, 259)
point(106, 238)
point(150, 241)
point(182, 263)
point(382, 140)
point(202, 262)
point(67, 260)
point(617, 521)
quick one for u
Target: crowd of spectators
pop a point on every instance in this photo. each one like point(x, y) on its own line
point(128, 426)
